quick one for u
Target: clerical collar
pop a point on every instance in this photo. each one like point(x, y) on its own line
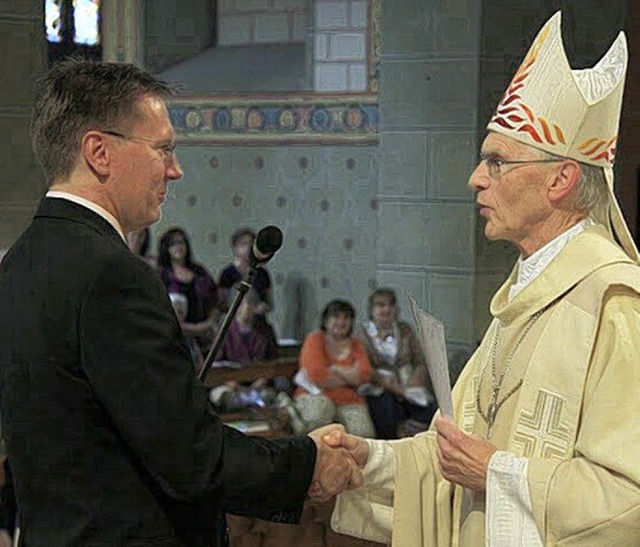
point(531, 267)
point(91, 206)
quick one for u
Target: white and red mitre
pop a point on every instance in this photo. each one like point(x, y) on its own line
point(570, 113)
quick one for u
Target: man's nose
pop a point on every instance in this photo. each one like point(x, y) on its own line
point(479, 179)
point(174, 171)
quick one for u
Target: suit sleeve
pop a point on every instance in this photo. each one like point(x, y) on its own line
point(140, 371)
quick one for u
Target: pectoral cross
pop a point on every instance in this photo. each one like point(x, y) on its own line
point(491, 412)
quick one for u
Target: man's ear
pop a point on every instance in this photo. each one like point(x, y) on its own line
point(563, 181)
point(96, 153)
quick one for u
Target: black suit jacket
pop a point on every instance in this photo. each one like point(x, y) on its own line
point(111, 437)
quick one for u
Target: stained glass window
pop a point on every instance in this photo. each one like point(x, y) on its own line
point(76, 20)
point(53, 20)
point(86, 19)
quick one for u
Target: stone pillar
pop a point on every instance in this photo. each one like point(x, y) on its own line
point(123, 31)
point(428, 107)
point(22, 56)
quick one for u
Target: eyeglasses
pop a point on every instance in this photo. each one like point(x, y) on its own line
point(494, 163)
point(167, 151)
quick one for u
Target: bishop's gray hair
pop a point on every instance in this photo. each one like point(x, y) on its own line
point(592, 193)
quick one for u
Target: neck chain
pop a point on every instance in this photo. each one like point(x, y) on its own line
point(496, 382)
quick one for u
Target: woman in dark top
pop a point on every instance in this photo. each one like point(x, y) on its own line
point(248, 340)
point(241, 243)
point(181, 275)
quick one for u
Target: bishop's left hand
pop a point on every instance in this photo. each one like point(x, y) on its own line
point(463, 458)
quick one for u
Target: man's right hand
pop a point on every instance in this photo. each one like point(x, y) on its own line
point(336, 469)
point(357, 447)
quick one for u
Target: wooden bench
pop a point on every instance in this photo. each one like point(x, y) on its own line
point(282, 366)
point(313, 529)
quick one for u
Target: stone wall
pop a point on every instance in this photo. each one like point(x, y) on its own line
point(22, 58)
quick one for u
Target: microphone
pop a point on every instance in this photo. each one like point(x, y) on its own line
point(266, 244)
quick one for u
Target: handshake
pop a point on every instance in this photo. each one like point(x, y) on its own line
point(340, 461)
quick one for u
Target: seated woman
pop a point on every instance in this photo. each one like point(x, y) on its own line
point(181, 275)
point(332, 367)
point(241, 243)
point(248, 340)
point(400, 370)
point(181, 307)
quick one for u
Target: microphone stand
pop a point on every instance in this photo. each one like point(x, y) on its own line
point(243, 289)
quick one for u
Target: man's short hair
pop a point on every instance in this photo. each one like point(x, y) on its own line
point(78, 95)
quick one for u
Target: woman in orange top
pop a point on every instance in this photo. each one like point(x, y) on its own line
point(332, 366)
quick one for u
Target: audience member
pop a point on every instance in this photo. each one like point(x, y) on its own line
point(241, 243)
point(247, 339)
point(139, 243)
point(180, 274)
point(401, 385)
point(181, 307)
point(333, 365)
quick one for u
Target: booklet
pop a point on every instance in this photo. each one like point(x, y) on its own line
point(226, 364)
point(431, 336)
point(302, 380)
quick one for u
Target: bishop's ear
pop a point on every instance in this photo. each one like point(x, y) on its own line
point(564, 180)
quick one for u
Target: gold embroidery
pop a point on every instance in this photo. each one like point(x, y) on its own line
point(469, 407)
point(541, 433)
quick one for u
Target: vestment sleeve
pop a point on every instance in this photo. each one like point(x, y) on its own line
point(509, 515)
point(593, 499)
point(368, 511)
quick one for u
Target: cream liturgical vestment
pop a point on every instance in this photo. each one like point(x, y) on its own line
point(566, 347)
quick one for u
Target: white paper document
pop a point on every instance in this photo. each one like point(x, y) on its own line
point(302, 379)
point(226, 364)
point(418, 395)
point(431, 336)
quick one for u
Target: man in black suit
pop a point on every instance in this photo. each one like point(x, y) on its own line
point(110, 435)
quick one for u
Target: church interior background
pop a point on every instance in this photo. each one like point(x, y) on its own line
point(353, 125)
